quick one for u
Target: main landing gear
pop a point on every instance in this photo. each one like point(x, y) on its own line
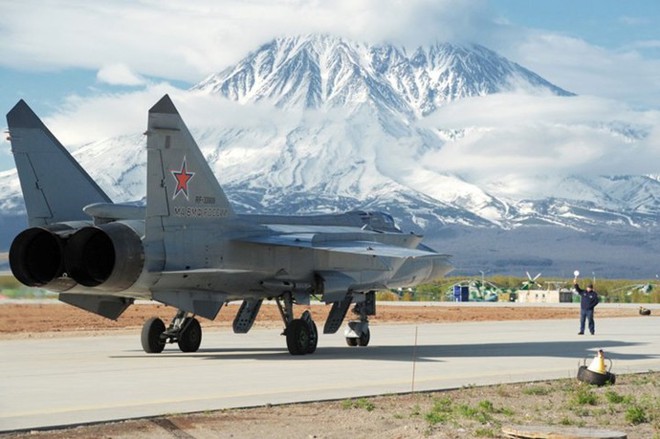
point(301, 334)
point(184, 330)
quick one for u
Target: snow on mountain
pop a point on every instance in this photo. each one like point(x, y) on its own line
point(356, 140)
point(322, 71)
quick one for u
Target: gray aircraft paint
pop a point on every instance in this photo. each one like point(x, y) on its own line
point(188, 248)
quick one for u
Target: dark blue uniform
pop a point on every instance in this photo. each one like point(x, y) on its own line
point(588, 301)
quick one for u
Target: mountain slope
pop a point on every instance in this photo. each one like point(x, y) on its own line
point(322, 71)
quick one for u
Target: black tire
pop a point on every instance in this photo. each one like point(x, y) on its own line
point(597, 379)
point(297, 337)
point(364, 338)
point(611, 378)
point(191, 337)
point(351, 341)
point(150, 338)
point(313, 338)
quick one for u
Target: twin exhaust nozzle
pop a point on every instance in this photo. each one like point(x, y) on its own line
point(59, 257)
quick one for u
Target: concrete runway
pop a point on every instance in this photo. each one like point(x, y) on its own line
point(72, 380)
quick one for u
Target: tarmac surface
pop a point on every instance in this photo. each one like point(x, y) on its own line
point(49, 382)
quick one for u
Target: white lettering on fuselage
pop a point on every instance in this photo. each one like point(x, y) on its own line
point(201, 212)
point(204, 200)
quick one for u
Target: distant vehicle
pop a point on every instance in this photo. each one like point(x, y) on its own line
point(189, 249)
point(645, 289)
point(476, 290)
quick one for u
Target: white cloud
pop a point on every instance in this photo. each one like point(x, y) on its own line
point(510, 138)
point(520, 137)
point(83, 120)
point(187, 41)
point(577, 66)
point(119, 74)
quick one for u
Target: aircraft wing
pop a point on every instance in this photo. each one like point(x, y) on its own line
point(356, 247)
point(200, 291)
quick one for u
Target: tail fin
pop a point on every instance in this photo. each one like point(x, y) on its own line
point(55, 186)
point(181, 188)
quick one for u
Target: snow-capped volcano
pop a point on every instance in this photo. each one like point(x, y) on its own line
point(356, 127)
point(322, 71)
point(377, 153)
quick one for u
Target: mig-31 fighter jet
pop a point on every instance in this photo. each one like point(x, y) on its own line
point(189, 249)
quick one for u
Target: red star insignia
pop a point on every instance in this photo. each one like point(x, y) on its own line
point(182, 178)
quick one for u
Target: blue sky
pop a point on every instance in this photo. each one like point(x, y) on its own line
point(613, 24)
point(70, 58)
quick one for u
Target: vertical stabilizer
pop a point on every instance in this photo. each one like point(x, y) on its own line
point(55, 187)
point(181, 188)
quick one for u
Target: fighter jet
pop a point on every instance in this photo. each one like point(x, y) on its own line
point(189, 249)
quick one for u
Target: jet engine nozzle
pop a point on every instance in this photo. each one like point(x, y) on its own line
point(110, 256)
point(36, 258)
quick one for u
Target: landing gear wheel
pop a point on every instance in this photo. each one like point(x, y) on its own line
point(313, 338)
point(364, 338)
point(191, 336)
point(152, 343)
point(357, 333)
point(298, 337)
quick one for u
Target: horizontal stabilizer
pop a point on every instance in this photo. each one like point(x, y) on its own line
point(110, 212)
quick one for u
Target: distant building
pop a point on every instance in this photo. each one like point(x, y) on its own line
point(545, 296)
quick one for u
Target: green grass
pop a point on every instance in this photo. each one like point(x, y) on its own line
point(615, 398)
point(632, 404)
point(636, 415)
point(9, 283)
point(485, 432)
point(10, 287)
point(361, 403)
point(434, 418)
point(584, 395)
point(347, 404)
point(444, 410)
point(440, 412)
point(536, 390)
